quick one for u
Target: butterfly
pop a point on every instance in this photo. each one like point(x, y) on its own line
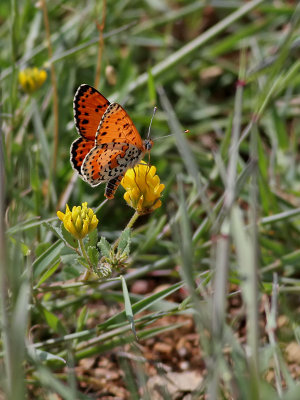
point(109, 143)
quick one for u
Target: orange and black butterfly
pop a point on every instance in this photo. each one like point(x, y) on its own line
point(109, 143)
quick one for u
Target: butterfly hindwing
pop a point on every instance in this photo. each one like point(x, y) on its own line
point(79, 149)
point(108, 161)
point(89, 106)
point(117, 126)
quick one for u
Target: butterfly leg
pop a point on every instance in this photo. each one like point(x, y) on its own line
point(112, 186)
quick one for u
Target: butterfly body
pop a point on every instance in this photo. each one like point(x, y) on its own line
point(109, 143)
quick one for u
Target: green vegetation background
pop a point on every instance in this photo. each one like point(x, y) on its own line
point(228, 71)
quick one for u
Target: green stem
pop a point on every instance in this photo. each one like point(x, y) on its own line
point(129, 225)
point(84, 253)
point(86, 275)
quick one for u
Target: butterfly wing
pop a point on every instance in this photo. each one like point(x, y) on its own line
point(79, 149)
point(89, 106)
point(117, 126)
point(107, 161)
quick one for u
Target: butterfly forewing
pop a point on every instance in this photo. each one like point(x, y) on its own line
point(117, 126)
point(79, 149)
point(89, 106)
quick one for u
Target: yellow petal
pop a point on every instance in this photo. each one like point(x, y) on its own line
point(78, 224)
point(159, 189)
point(91, 214)
point(60, 215)
point(85, 228)
point(94, 222)
point(68, 224)
point(156, 205)
point(127, 197)
point(75, 213)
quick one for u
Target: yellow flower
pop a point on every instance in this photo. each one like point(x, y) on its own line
point(143, 188)
point(31, 79)
point(80, 221)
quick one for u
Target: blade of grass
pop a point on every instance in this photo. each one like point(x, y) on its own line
point(271, 316)
point(183, 148)
point(245, 257)
point(50, 256)
point(127, 304)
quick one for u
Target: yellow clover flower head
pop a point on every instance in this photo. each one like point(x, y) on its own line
point(143, 188)
point(80, 221)
point(31, 79)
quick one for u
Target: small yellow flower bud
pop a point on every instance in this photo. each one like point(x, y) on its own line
point(80, 221)
point(31, 79)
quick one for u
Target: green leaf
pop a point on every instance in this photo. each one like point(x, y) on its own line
point(160, 306)
point(41, 355)
point(122, 339)
point(93, 238)
point(48, 258)
point(127, 303)
point(29, 224)
point(83, 262)
point(68, 237)
point(41, 248)
point(292, 258)
point(47, 274)
point(280, 125)
point(63, 234)
point(21, 246)
point(105, 247)
point(124, 243)
point(93, 255)
point(55, 229)
point(25, 249)
point(82, 318)
point(52, 320)
point(141, 305)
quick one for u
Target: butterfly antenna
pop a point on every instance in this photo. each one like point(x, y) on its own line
point(149, 129)
point(171, 134)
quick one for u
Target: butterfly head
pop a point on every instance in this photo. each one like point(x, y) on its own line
point(148, 144)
